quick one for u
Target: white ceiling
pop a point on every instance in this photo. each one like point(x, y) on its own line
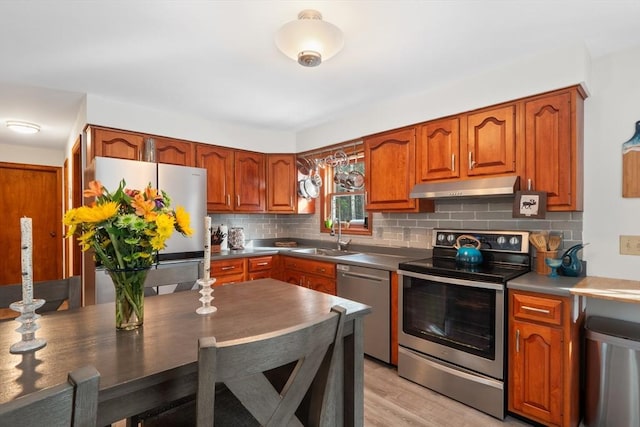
point(217, 59)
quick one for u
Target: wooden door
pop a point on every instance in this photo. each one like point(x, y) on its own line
point(490, 147)
point(437, 150)
point(281, 183)
point(118, 144)
point(175, 152)
point(550, 150)
point(390, 165)
point(249, 182)
point(294, 277)
point(536, 372)
point(218, 162)
point(36, 192)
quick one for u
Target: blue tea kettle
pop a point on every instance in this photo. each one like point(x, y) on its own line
point(571, 263)
point(467, 253)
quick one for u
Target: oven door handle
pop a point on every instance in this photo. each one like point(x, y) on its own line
point(453, 281)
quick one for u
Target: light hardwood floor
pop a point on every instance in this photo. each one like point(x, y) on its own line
point(392, 401)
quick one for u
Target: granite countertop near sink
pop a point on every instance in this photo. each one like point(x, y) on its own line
point(541, 283)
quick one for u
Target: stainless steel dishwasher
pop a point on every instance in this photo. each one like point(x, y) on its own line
point(372, 287)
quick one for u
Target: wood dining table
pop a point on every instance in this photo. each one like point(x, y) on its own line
point(157, 363)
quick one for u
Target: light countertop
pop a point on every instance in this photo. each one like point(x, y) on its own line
point(607, 288)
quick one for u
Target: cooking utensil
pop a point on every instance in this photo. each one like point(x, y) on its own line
point(468, 253)
point(554, 242)
point(301, 190)
point(310, 187)
point(539, 241)
point(355, 180)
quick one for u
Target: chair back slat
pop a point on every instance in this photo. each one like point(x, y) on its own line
point(312, 349)
point(54, 292)
point(72, 403)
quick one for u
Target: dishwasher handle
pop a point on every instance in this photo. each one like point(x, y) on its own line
point(365, 276)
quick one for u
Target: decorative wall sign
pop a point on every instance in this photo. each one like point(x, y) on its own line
point(631, 165)
point(530, 204)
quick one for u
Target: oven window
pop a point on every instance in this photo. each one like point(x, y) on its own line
point(456, 316)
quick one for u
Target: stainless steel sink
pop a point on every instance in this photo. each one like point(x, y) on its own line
point(324, 252)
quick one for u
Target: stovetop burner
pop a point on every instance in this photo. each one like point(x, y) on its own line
point(505, 255)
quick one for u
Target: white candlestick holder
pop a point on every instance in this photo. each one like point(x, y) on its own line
point(28, 327)
point(206, 298)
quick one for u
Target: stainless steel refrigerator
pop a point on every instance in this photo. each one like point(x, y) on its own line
point(186, 186)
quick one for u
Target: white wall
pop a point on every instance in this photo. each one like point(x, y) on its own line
point(106, 112)
point(31, 155)
point(610, 117)
point(523, 77)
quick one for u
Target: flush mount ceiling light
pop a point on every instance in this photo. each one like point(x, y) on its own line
point(309, 40)
point(23, 127)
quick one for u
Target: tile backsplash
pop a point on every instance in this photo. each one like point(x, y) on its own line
point(412, 230)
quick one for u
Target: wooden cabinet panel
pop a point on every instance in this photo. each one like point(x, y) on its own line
point(390, 165)
point(282, 192)
point(255, 275)
point(320, 268)
point(228, 271)
point(113, 143)
point(260, 263)
point(544, 358)
point(312, 274)
point(220, 183)
point(553, 141)
point(537, 360)
point(249, 182)
point(437, 150)
point(490, 147)
point(175, 152)
point(321, 284)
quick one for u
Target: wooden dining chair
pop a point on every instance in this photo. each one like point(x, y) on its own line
point(54, 292)
point(241, 365)
point(72, 403)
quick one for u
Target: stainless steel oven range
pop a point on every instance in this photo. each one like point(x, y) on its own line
point(452, 317)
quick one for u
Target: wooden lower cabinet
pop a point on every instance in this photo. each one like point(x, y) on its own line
point(316, 275)
point(259, 267)
point(544, 358)
point(228, 271)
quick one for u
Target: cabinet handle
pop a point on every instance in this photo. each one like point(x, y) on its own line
point(517, 340)
point(291, 201)
point(453, 163)
point(262, 263)
point(529, 184)
point(472, 163)
point(321, 270)
point(231, 267)
point(228, 199)
point(537, 310)
point(238, 197)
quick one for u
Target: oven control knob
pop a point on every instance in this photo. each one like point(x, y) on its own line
point(502, 240)
point(514, 241)
point(440, 237)
point(451, 238)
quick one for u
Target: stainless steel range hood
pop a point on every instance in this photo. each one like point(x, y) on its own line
point(499, 186)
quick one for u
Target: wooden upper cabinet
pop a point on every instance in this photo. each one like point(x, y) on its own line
point(553, 143)
point(437, 150)
point(175, 151)
point(490, 143)
point(218, 162)
point(282, 194)
point(390, 166)
point(104, 142)
point(249, 182)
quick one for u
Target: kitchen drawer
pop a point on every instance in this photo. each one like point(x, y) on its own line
point(535, 308)
point(260, 263)
point(228, 266)
point(326, 269)
point(229, 278)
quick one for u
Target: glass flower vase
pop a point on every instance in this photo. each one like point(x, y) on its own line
point(129, 286)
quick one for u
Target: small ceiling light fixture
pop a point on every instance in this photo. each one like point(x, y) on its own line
point(309, 40)
point(23, 127)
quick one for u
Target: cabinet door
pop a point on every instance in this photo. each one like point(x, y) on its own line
point(219, 164)
point(249, 182)
point(295, 277)
point(491, 142)
point(536, 372)
point(118, 144)
point(437, 150)
point(390, 170)
point(175, 152)
point(321, 284)
point(553, 153)
point(281, 183)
